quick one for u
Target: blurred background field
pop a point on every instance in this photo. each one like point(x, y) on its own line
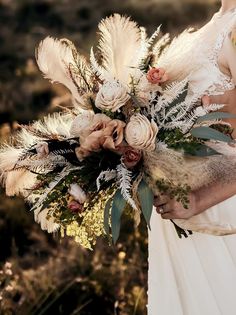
point(39, 273)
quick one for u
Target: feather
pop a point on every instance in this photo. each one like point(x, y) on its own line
point(55, 59)
point(18, 182)
point(41, 165)
point(99, 70)
point(56, 124)
point(119, 46)
point(124, 177)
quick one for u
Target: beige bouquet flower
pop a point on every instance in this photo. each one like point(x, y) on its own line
point(112, 96)
point(140, 133)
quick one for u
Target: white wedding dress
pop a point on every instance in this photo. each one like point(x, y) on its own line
point(196, 275)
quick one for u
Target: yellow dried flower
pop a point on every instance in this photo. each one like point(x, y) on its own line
point(92, 225)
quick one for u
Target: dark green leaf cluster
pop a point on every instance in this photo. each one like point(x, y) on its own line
point(94, 164)
point(178, 192)
point(117, 205)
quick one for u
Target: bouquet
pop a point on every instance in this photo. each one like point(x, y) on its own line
point(131, 134)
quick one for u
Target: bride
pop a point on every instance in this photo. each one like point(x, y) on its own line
point(197, 275)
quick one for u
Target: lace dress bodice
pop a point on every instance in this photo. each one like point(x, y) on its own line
point(195, 54)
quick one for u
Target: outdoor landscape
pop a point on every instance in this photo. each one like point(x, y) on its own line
point(42, 274)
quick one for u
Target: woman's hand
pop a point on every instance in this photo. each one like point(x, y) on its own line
point(171, 209)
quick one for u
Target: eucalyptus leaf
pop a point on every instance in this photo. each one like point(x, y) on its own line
point(215, 116)
point(204, 150)
point(106, 217)
point(208, 133)
point(146, 199)
point(118, 206)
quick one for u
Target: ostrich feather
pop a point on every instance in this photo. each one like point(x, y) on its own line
point(55, 59)
point(119, 46)
point(15, 181)
point(18, 182)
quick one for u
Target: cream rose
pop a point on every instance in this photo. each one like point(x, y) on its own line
point(140, 133)
point(111, 96)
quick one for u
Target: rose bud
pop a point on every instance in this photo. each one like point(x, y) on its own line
point(157, 75)
point(75, 207)
point(77, 193)
point(131, 157)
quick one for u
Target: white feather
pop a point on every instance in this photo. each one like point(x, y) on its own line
point(55, 58)
point(119, 46)
point(18, 182)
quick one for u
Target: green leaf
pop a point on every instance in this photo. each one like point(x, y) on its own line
point(146, 199)
point(203, 150)
point(214, 116)
point(106, 216)
point(208, 133)
point(118, 206)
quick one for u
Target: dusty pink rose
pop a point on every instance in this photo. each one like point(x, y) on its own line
point(75, 206)
point(102, 135)
point(131, 157)
point(157, 75)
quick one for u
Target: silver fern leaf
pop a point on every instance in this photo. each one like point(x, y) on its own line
point(66, 171)
point(102, 74)
point(154, 36)
point(124, 179)
point(105, 176)
point(160, 44)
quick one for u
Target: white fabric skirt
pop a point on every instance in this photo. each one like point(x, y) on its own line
point(196, 275)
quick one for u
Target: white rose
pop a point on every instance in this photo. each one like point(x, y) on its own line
point(140, 133)
point(112, 96)
point(42, 149)
point(81, 122)
point(77, 193)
